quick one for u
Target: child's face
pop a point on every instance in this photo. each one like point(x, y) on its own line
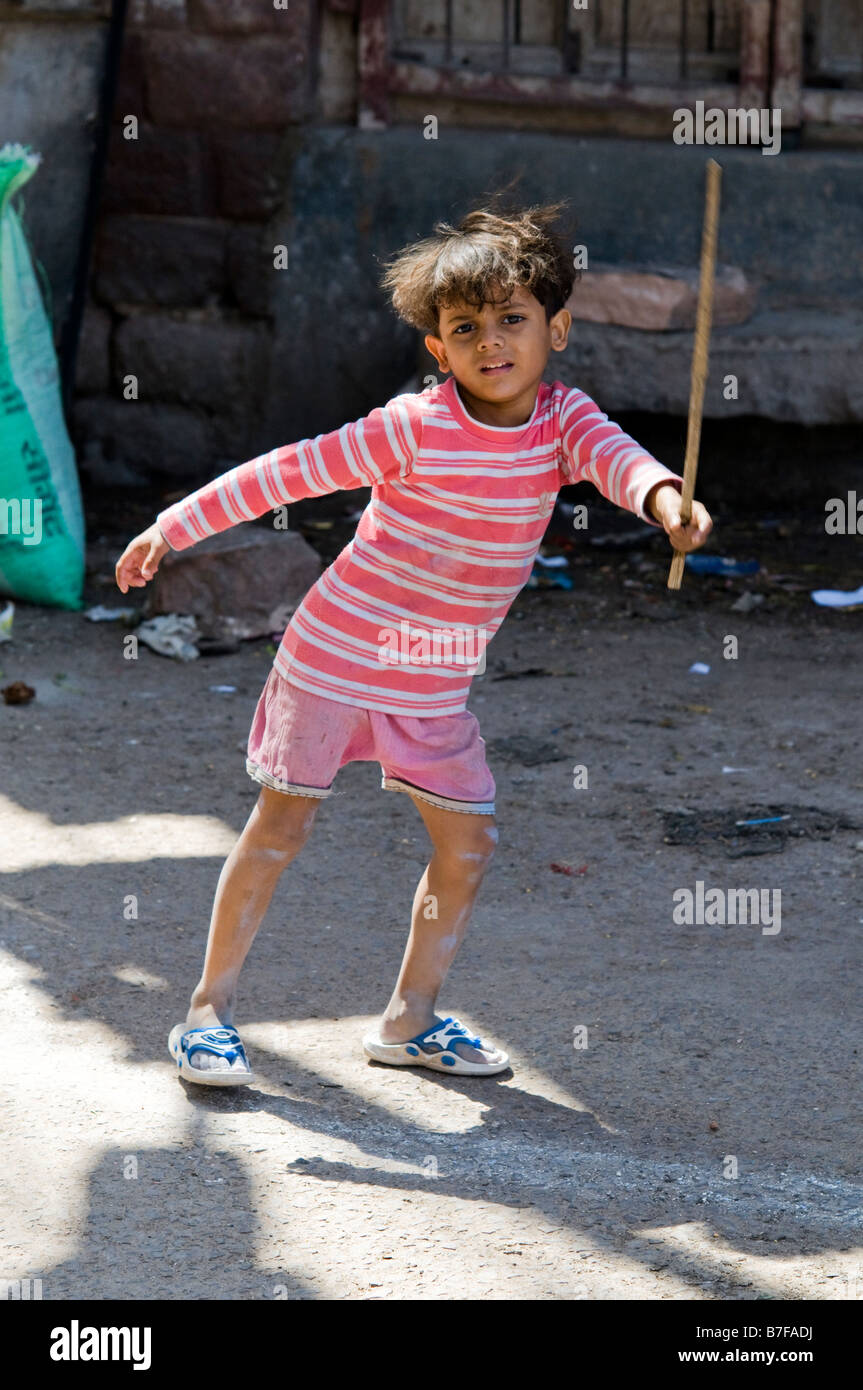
point(500, 351)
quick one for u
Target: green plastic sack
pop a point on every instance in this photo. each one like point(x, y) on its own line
point(41, 518)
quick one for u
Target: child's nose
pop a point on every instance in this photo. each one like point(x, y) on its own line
point(490, 338)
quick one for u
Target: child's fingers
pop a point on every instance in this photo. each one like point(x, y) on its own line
point(684, 537)
point(700, 524)
point(693, 533)
point(128, 570)
point(122, 574)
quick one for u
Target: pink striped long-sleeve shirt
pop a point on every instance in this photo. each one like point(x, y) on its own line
point(400, 619)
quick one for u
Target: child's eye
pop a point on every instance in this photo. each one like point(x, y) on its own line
point(508, 318)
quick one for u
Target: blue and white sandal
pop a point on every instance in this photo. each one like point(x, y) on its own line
point(433, 1049)
point(183, 1042)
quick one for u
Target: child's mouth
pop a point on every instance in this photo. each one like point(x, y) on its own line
point(496, 368)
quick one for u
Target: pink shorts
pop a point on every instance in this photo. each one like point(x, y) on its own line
point(298, 742)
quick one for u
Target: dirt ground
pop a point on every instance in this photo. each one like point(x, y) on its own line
point(704, 1144)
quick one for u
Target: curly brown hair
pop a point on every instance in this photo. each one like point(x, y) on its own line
point(481, 261)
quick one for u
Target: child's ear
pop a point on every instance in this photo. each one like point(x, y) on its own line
point(438, 351)
point(560, 324)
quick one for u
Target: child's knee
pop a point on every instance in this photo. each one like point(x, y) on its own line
point(283, 823)
point(474, 844)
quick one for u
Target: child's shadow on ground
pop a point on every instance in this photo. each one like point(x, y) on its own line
point(464, 1165)
point(169, 1223)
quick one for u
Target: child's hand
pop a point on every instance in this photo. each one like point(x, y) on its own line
point(664, 503)
point(140, 560)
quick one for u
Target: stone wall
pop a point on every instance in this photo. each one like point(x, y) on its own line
point(177, 338)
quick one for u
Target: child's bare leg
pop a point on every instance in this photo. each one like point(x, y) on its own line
point(464, 843)
point(274, 834)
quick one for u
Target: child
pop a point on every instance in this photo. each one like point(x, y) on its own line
point(464, 477)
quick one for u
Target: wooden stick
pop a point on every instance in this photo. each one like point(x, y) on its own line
point(698, 380)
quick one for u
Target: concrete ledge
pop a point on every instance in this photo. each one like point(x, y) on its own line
point(797, 365)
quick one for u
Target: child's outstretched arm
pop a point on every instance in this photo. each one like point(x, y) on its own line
point(598, 451)
point(360, 454)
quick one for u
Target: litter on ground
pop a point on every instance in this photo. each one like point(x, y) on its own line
point(719, 564)
point(838, 598)
point(18, 693)
point(174, 634)
point(747, 602)
point(100, 614)
point(549, 572)
point(765, 829)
